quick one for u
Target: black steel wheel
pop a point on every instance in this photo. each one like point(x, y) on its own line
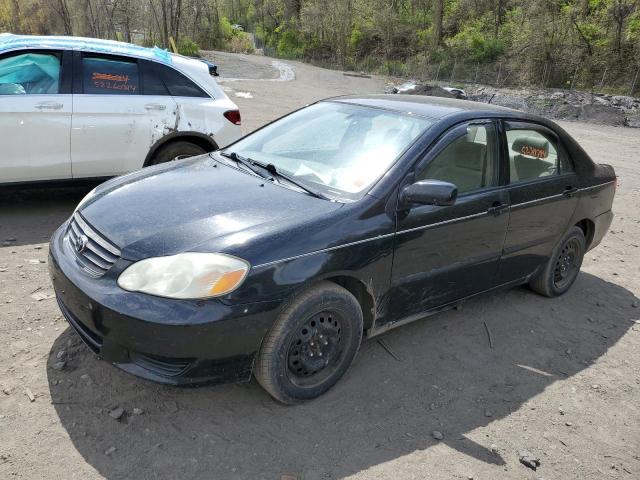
point(567, 263)
point(311, 345)
point(563, 266)
point(315, 350)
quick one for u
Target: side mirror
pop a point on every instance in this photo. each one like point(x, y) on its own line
point(431, 192)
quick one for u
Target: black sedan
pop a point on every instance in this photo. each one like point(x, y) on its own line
point(346, 218)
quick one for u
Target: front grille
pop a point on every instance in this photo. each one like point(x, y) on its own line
point(166, 367)
point(95, 253)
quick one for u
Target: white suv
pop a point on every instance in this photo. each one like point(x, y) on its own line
point(78, 108)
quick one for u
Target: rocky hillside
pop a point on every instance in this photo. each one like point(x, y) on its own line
point(598, 108)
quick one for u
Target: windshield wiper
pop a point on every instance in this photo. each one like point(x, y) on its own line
point(247, 162)
point(271, 168)
point(272, 171)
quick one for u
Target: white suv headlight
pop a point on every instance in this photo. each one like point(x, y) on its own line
point(186, 275)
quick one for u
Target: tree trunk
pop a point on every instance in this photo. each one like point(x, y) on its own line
point(438, 15)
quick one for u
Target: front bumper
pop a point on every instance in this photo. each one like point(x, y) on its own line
point(177, 342)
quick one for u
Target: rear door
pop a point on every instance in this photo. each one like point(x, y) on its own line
point(542, 188)
point(114, 123)
point(444, 253)
point(35, 115)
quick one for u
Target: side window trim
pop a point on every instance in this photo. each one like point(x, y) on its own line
point(64, 82)
point(451, 135)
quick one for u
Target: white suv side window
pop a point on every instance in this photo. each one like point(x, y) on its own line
point(30, 74)
point(109, 77)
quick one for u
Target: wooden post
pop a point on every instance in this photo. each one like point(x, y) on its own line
point(499, 71)
point(438, 71)
point(453, 70)
point(173, 45)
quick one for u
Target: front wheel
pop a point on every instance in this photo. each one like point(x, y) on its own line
point(563, 267)
point(311, 345)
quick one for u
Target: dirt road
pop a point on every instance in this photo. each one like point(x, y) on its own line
point(562, 379)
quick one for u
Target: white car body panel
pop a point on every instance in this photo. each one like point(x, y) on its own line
point(100, 135)
point(112, 134)
point(28, 153)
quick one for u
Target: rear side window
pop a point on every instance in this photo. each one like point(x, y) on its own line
point(535, 154)
point(162, 80)
point(105, 76)
point(30, 74)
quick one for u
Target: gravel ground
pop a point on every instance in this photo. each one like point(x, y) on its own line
point(562, 380)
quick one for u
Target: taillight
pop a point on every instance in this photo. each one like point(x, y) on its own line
point(233, 116)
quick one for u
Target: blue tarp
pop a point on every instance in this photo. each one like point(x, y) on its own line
point(14, 42)
point(31, 73)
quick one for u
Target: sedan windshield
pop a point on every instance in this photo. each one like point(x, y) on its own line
point(337, 148)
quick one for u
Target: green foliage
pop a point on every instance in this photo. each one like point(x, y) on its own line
point(514, 42)
point(186, 46)
point(473, 42)
point(226, 31)
point(290, 43)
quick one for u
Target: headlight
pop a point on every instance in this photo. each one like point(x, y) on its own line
point(186, 275)
point(85, 199)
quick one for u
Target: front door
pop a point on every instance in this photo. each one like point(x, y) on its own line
point(114, 123)
point(35, 116)
point(444, 253)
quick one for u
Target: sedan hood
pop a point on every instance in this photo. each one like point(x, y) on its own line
point(177, 207)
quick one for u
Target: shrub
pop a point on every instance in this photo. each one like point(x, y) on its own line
point(188, 47)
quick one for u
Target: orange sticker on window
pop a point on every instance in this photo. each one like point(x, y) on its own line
point(533, 151)
point(112, 82)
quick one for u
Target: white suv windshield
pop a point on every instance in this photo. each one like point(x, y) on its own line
point(339, 148)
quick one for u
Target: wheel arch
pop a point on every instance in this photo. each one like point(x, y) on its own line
point(362, 293)
point(588, 227)
point(198, 138)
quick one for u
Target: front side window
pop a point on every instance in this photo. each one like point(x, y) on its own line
point(470, 161)
point(30, 74)
point(341, 148)
point(103, 76)
point(533, 155)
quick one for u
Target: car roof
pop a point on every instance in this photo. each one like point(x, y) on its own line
point(10, 42)
point(430, 107)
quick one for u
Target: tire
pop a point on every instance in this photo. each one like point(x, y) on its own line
point(169, 152)
point(563, 266)
point(311, 344)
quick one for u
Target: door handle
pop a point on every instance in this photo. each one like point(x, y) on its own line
point(155, 106)
point(497, 208)
point(49, 106)
point(570, 191)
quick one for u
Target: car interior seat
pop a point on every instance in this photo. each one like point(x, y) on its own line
point(528, 163)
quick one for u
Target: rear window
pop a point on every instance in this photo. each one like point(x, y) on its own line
point(109, 76)
point(162, 80)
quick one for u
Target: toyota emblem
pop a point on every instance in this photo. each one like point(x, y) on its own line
point(81, 243)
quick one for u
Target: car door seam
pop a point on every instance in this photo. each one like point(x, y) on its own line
point(409, 230)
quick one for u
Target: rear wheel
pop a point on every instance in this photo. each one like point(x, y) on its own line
point(563, 267)
point(173, 150)
point(311, 345)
